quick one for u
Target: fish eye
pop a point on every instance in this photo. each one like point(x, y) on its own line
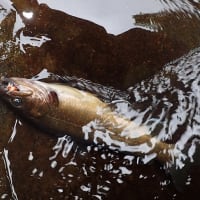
point(16, 102)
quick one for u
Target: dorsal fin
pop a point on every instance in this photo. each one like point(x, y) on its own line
point(105, 93)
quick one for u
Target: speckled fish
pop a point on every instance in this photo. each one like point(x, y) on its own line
point(63, 109)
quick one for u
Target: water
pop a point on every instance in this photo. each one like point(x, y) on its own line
point(165, 105)
point(115, 18)
point(162, 97)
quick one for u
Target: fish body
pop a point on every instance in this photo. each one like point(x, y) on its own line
point(66, 110)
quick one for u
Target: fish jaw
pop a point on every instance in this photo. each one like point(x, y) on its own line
point(9, 87)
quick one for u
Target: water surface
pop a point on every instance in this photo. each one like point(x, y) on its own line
point(124, 45)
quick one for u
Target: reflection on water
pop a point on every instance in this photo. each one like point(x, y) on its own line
point(114, 17)
point(77, 164)
point(34, 37)
point(172, 99)
point(33, 41)
point(9, 174)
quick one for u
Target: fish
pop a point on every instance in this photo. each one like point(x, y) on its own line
point(62, 109)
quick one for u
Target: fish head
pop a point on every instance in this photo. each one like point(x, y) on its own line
point(26, 95)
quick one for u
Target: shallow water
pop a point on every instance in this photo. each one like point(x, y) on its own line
point(162, 97)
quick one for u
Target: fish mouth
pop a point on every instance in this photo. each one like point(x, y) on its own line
point(10, 86)
point(7, 85)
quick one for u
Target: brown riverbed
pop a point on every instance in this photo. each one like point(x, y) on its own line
point(35, 165)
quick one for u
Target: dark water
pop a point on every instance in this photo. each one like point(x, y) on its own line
point(162, 97)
